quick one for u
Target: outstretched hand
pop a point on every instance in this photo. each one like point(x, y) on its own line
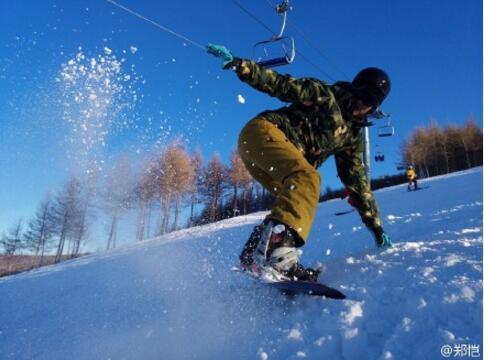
point(221, 52)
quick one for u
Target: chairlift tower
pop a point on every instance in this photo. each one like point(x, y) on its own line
point(366, 153)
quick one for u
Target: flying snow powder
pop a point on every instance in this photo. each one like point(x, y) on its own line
point(97, 94)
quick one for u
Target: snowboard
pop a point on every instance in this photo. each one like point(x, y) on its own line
point(290, 287)
point(344, 212)
point(295, 287)
point(418, 189)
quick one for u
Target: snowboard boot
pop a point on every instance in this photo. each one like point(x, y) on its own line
point(272, 249)
point(247, 255)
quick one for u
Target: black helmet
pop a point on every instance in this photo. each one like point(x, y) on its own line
point(372, 86)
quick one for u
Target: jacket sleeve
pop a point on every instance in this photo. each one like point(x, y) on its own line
point(351, 171)
point(304, 91)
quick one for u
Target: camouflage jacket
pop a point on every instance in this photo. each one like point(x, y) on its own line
point(320, 123)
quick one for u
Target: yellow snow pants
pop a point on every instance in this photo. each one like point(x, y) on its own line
point(281, 168)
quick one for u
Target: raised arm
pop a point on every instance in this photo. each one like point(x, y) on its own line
point(305, 91)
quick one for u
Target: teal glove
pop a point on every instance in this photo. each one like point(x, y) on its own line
point(221, 52)
point(382, 239)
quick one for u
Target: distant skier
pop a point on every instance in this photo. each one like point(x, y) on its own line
point(283, 148)
point(412, 178)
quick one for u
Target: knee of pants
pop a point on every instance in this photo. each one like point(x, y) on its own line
point(306, 171)
point(314, 181)
point(308, 178)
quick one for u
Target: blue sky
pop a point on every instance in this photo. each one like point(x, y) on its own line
point(432, 51)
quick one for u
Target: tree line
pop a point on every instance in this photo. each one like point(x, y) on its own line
point(174, 189)
point(435, 150)
point(62, 218)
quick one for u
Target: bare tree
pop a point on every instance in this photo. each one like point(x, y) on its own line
point(144, 194)
point(12, 240)
point(440, 148)
point(197, 165)
point(66, 210)
point(185, 180)
point(472, 142)
point(416, 151)
point(41, 229)
point(215, 183)
point(81, 223)
point(165, 175)
point(175, 179)
point(117, 196)
point(239, 177)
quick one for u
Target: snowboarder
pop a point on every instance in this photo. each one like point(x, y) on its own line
point(412, 178)
point(283, 148)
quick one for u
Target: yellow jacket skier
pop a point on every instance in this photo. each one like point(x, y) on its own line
point(283, 148)
point(411, 177)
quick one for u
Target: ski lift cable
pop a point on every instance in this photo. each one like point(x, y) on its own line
point(319, 51)
point(316, 66)
point(238, 4)
point(164, 28)
point(196, 44)
point(260, 22)
point(312, 45)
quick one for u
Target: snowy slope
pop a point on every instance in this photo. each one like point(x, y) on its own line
point(175, 297)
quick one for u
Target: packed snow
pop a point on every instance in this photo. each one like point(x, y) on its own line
point(175, 297)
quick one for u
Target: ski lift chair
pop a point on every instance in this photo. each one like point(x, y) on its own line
point(286, 46)
point(386, 130)
point(280, 44)
point(379, 157)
